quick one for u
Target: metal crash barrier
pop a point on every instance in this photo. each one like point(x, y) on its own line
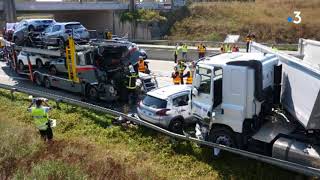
point(310, 171)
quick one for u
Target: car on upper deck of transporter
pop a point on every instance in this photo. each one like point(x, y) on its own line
point(167, 107)
point(24, 27)
point(58, 33)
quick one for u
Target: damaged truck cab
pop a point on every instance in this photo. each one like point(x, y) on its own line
point(240, 101)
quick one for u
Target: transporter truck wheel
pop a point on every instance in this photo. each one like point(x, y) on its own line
point(37, 79)
point(47, 83)
point(92, 92)
point(224, 136)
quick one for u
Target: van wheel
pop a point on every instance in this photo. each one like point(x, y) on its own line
point(176, 126)
point(37, 79)
point(224, 136)
point(47, 83)
point(21, 65)
point(92, 93)
point(39, 63)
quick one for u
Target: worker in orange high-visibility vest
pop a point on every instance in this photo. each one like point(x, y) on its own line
point(176, 76)
point(141, 65)
point(201, 50)
point(189, 74)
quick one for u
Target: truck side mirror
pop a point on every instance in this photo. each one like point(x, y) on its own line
point(197, 81)
point(195, 92)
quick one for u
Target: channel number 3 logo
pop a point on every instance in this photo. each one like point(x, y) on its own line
point(297, 17)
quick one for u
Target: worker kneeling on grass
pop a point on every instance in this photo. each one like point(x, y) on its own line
point(41, 118)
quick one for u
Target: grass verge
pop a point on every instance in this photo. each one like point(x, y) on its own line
point(88, 146)
point(267, 19)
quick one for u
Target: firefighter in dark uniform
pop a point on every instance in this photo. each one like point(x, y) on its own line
point(131, 84)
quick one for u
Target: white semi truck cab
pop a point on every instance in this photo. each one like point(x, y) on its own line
point(259, 101)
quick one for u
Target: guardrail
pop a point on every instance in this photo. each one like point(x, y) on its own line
point(270, 160)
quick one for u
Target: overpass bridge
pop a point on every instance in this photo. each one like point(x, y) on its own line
point(94, 15)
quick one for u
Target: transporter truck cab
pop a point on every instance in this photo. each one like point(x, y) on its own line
point(236, 100)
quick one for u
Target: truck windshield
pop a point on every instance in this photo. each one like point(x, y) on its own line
point(205, 83)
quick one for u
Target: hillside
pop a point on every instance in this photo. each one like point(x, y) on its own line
point(266, 18)
point(88, 146)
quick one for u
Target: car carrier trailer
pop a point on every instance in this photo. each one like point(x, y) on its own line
point(263, 101)
point(83, 76)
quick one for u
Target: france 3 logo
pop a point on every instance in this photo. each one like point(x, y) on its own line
point(297, 18)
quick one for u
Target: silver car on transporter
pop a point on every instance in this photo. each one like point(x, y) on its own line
point(58, 33)
point(168, 107)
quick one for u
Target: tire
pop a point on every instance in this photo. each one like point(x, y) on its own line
point(176, 126)
point(47, 83)
point(53, 70)
point(92, 93)
point(224, 136)
point(21, 65)
point(39, 63)
point(37, 79)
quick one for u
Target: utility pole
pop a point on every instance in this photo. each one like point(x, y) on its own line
point(10, 10)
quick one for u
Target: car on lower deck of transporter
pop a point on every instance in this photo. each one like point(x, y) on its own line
point(167, 107)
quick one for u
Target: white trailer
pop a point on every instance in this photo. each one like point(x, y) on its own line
point(262, 101)
point(309, 52)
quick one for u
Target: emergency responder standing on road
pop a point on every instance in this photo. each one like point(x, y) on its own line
point(176, 53)
point(222, 50)
point(131, 84)
point(143, 66)
point(190, 73)
point(41, 118)
point(108, 34)
point(184, 50)
point(181, 67)
point(201, 50)
point(250, 37)
point(175, 76)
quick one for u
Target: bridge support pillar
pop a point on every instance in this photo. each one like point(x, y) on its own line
point(10, 10)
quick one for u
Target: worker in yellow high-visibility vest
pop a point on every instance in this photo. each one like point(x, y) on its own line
point(184, 49)
point(41, 118)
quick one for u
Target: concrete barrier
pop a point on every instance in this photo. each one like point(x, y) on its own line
point(163, 52)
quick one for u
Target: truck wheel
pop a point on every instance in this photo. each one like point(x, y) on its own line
point(92, 93)
point(176, 126)
point(224, 136)
point(53, 70)
point(47, 83)
point(37, 79)
point(39, 63)
point(21, 65)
